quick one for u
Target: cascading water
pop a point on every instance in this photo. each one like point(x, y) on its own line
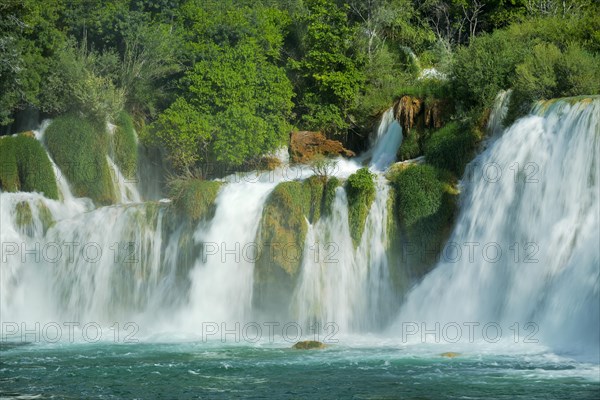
point(388, 140)
point(528, 234)
point(222, 278)
point(340, 284)
point(123, 262)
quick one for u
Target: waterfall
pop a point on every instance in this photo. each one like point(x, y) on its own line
point(138, 261)
point(222, 277)
point(386, 144)
point(531, 216)
point(340, 284)
point(125, 189)
point(495, 124)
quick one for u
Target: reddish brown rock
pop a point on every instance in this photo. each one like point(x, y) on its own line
point(406, 111)
point(434, 112)
point(305, 145)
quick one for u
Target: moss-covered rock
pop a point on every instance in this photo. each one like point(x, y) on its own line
point(329, 195)
point(360, 189)
point(418, 191)
point(125, 145)
point(80, 147)
point(309, 345)
point(24, 216)
point(45, 215)
point(9, 172)
point(281, 236)
point(26, 167)
point(410, 147)
point(194, 197)
point(425, 202)
point(451, 147)
point(283, 226)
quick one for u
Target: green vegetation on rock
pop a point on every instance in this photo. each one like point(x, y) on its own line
point(24, 217)
point(418, 191)
point(451, 147)
point(125, 145)
point(282, 234)
point(9, 172)
point(26, 167)
point(329, 194)
point(360, 189)
point(410, 147)
point(80, 148)
point(194, 197)
point(425, 200)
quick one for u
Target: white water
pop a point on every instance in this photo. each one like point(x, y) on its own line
point(163, 291)
point(385, 144)
point(222, 278)
point(540, 206)
point(339, 283)
point(125, 189)
point(388, 141)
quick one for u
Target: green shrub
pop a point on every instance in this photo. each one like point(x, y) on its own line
point(360, 189)
point(497, 61)
point(548, 73)
point(26, 167)
point(485, 67)
point(195, 197)
point(80, 149)
point(451, 147)
point(125, 145)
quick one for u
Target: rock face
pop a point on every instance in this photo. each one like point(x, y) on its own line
point(284, 224)
point(411, 112)
point(434, 112)
point(406, 111)
point(309, 345)
point(305, 145)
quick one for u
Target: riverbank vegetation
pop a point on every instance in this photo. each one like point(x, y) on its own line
point(225, 81)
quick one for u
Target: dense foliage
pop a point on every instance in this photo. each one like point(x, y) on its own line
point(225, 81)
point(451, 147)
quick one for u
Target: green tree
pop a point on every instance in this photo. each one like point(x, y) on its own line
point(328, 70)
point(236, 97)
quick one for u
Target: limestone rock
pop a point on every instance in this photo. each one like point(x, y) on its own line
point(450, 354)
point(406, 112)
point(309, 345)
point(305, 145)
